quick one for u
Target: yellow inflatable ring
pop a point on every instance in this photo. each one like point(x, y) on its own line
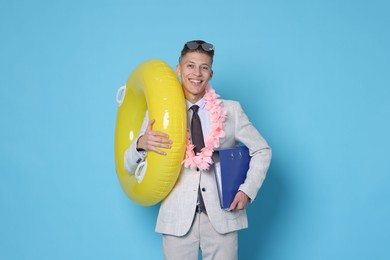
point(152, 86)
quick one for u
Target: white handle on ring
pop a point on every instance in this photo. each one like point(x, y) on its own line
point(140, 171)
point(120, 95)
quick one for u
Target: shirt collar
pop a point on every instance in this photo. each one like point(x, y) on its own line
point(200, 103)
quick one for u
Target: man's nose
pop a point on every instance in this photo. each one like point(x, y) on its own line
point(197, 71)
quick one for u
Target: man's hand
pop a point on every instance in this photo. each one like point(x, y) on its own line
point(240, 201)
point(152, 140)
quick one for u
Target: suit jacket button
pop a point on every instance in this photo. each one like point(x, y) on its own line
point(203, 189)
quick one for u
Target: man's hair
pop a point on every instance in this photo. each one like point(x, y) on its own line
point(186, 50)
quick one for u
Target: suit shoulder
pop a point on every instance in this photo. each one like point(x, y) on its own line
point(231, 104)
point(227, 102)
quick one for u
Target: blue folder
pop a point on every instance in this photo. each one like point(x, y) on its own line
point(230, 168)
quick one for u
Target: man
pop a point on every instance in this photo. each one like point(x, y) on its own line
point(190, 218)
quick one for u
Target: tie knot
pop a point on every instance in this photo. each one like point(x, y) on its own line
point(195, 108)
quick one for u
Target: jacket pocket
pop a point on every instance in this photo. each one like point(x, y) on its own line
point(232, 214)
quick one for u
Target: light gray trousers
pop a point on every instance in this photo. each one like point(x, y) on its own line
point(202, 236)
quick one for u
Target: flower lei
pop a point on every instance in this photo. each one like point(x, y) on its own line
point(202, 159)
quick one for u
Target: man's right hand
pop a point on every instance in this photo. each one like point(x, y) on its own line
point(152, 140)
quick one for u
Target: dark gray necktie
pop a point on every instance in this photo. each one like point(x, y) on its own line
point(198, 142)
point(196, 130)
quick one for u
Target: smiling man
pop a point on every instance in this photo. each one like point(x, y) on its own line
point(190, 218)
point(195, 72)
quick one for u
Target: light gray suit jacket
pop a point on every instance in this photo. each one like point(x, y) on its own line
point(178, 209)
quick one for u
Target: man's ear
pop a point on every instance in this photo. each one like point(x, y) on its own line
point(211, 74)
point(178, 71)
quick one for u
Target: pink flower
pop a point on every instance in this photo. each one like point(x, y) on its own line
point(218, 115)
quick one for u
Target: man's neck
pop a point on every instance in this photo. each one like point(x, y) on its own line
point(194, 98)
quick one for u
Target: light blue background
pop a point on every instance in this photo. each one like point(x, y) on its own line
point(313, 76)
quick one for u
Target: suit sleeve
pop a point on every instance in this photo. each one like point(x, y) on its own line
point(259, 150)
point(133, 157)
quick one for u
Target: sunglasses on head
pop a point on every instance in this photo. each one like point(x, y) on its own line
point(205, 46)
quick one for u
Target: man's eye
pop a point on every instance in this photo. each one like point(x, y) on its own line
point(205, 68)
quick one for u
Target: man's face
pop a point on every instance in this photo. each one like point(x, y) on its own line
point(195, 72)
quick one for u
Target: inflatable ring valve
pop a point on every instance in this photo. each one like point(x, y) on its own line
point(152, 86)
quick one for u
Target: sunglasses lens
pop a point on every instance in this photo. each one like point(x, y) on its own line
point(192, 45)
point(207, 46)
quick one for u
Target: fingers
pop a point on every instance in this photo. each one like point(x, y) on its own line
point(237, 204)
point(155, 133)
point(234, 204)
point(159, 137)
point(154, 140)
point(150, 124)
point(155, 143)
point(240, 201)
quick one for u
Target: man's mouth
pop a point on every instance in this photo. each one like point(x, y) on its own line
point(195, 81)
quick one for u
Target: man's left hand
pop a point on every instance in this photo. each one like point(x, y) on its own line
point(240, 201)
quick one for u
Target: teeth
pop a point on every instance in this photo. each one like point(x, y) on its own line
point(195, 81)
